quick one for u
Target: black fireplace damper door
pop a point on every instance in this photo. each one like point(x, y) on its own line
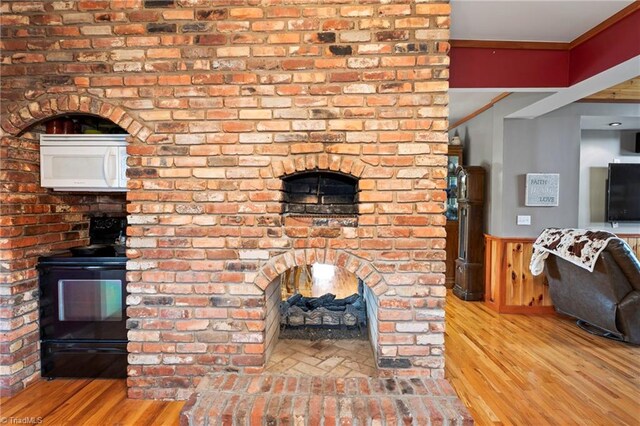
point(320, 193)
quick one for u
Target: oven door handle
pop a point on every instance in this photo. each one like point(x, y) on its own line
point(90, 350)
point(92, 268)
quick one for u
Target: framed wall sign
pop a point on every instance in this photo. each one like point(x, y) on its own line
point(542, 189)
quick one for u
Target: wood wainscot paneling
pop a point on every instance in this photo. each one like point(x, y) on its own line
point(510, 287)
point(634, 243)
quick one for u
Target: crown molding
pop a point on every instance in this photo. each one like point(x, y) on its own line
point(520, 45)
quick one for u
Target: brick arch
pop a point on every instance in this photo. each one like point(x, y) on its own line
point(340, 258)
point(25, 114)
point(349, 165)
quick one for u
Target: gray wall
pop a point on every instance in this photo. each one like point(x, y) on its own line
point(549, 144)
point(483, 139)
point(511, 148)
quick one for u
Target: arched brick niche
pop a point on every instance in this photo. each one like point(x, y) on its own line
point(320, 193)
point(318, 169)
point(347, 164)
point(37, 220)
point(23, 115)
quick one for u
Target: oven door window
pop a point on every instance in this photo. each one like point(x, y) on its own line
point(90, 300)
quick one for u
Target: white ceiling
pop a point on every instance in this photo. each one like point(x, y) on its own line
point(465, 102)
point(522, 20)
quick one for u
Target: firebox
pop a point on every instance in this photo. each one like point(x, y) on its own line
point(326, 311)
point(320, 193)
point(318, 302)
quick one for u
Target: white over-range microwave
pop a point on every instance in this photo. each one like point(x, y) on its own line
point(83, 162)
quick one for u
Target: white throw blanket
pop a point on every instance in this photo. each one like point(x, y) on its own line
point(578, 246)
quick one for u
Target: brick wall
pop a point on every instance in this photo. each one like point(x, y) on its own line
point(223, 99)
point(273, 297)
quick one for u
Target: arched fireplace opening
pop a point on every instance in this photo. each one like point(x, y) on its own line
point(322, 297)
point(320, 193)
point(320, 319)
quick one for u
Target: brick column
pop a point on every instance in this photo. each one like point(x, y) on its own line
point(230, 93)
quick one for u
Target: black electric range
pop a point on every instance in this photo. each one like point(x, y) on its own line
point(83, 307)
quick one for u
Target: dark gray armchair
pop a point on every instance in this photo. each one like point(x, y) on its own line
point(605, 301)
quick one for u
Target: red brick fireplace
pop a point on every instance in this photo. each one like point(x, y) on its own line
point(224, 100)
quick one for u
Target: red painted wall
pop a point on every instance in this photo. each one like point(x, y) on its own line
point(481, 67)
point(475, 67)
point(609, 48)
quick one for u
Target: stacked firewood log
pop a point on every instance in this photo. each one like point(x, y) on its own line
point(325, 310)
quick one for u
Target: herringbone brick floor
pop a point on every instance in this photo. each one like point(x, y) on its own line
point(335, 358)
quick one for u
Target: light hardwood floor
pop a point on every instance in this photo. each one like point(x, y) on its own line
point(509, 369)
point(538, 370)
point(86, 402)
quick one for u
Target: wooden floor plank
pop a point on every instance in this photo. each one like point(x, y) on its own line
point(517, 369)
point(88, 402)
point(79, 408)
point(23, 405)
point(508, 369)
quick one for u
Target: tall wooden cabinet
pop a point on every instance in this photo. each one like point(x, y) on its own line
point(469, 267)
point(451, 227)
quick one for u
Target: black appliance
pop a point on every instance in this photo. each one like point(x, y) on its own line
point(623, 192)
point(83, 307)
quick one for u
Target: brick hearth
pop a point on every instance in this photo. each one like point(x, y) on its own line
point(224, 101)
point(237, 399)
